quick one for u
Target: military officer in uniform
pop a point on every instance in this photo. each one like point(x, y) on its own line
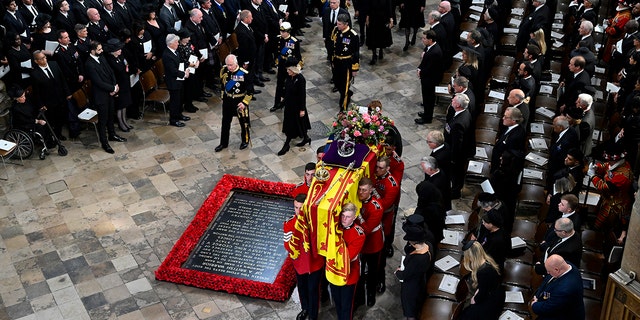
point(309, 266)
point(235, 101)
point(389, 190)
point(289, 49)
point(371, 221)
point(354, 237)
point(346, 58)
point(309, 173)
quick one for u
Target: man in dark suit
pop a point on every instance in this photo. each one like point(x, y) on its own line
point(459, 136)
point(512, 138)
point(564, 140)
point(430, 73)
point(64, 19)
point(567, 208)
point(72, 68)
point(125, 12)
point(103, 89)
point(174, 78)
point(432, 204)
point(46, 6)
point(575, 83)
point(200, 41)
point(448, 22)
point(438, 178)
point(110, 18)
point(97, 29)
point(225, 20)
point(461, 85)
point(525, 81)
point(79, 9)
point(440, 150)
point(441, 37)
point(168, 16)
point(585, 34)
point(246, 52)
point(29, 12)
point(260, 29)
point(50, 91)
point(516, 100)
point(538, 19)
point(13, 21)
point(560, 294)
point(567, 244)
point(329, 19)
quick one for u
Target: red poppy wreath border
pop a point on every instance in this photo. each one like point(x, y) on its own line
point(170, 270)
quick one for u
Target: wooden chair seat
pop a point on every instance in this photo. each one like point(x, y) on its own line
point(592, 308)
point(477, 178)
point(487, 149)
point(488, 121)
point(456, 247)
point(520, 308)
point(486, 136)
point(468, 26)
point(501, 73)
point(598, 293)
point(532, 194)
point(435, 308)
point(459, 227)
point(592, 263)
point(546, 127)
point(457, 255)
point(434, 283)
point(506, 61)
point(592, 241)
point(158, 71)
point(82, 102)
point(151, 92)
point(541, 231)
point(546, 102)
point(599, 108)
point(517, 274)
point(524, 229)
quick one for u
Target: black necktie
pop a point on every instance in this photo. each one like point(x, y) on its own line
point(48, 73)
point(333, 17)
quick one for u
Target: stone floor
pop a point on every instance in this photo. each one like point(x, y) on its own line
point(81, 235)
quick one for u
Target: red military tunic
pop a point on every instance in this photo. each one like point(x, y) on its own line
point(371, 221)
point(389, 190)
point(354, 238)
point(615, 185)
point(306, 262)
point(302, 187)
point(396, 167)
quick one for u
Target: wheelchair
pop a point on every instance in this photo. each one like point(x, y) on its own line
point(26, 140)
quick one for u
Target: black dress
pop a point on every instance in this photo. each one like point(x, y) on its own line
point(490, 297)
point(410, 15)
point(414, 282)
point(379, 17)
point(494, 244)
point(295, 100)
point(121, 71)
point(157, 35)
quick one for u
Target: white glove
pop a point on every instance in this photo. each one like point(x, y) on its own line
point(592, 170)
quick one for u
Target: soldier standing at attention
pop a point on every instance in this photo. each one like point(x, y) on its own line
point(235, 101)
point(346, 58)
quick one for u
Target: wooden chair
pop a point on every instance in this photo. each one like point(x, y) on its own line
point(530, 200)
point(434, 284)
point(547, 129)
point(152, 93)
point(592, 263)
point(517, 274)
point(486, 136)
point(500, 76)
point(524, 229)
point(593, 241)
point(521, 308)
point(158, 71)
point(546, 102)
point(488, 121)
point(598, 292)
point(477, 178)
point(82, 101)
point(592, 308)
point(435, 308)
point(457, 255)
point(459, 227)
point(506, 61)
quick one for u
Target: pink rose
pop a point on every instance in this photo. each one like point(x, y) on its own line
point(381, 129)
point(357, 133)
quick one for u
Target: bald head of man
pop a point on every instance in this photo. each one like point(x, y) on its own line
point(556, 266)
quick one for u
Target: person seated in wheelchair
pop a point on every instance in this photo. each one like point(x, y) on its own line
point(24, 116)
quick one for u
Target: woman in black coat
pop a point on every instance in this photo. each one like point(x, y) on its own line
point(413, 277)
point(24, 115)
point(379, 23)
point(120, 68)
point(296, 119)
point(411, 17)
point(485, 283)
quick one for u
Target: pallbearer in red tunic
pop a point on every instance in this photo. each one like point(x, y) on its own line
point(371, 221)
point(303, 187)
point(354, 237)
point(308, 264)
point(395, 162)
point(389, 190)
